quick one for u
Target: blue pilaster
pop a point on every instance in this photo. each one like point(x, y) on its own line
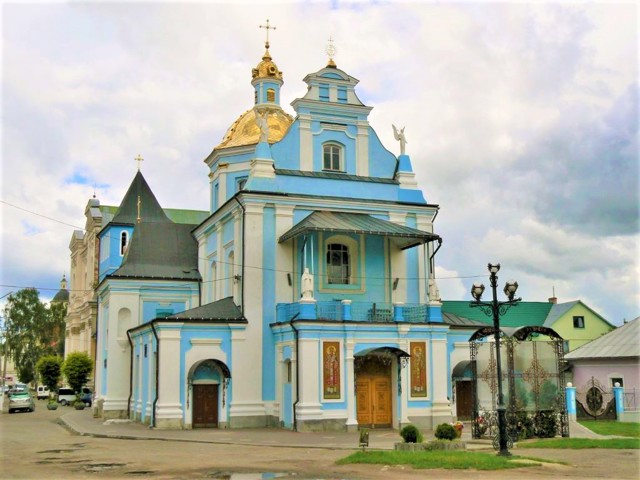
point(618, 394)
point(571, 401)
point(307, 310)
point(346, 310)
point(434, 312)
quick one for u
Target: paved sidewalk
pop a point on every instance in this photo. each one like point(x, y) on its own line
point(83, 423)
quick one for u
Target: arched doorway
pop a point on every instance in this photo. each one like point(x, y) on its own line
point(374, 373)
point(462, 390)
point(208, 382)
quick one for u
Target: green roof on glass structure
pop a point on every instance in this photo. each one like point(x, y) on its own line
point(520, 315)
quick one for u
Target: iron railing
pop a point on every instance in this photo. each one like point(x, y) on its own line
point(357, 311)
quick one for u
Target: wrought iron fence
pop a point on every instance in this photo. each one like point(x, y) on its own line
point(630, 400)
point(594, 401)
point(329, 310)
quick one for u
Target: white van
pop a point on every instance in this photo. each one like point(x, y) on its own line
point(42, 392)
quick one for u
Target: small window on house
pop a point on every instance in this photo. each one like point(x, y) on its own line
point(332, 157)
point(241, 183)
point(615, 380)
point(578, 322)
point(124, 241)
point(338, 268)
point(271, 95)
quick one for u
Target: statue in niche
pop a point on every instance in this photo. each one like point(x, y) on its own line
point(307, 284)
point(399, 135)
point(261, 121)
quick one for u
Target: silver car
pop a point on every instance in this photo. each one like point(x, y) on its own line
point(21, 401)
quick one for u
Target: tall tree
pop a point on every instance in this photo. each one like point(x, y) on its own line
point(29, 331)
point(76, 368)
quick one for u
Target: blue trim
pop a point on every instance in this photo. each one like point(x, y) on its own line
point(268, 304)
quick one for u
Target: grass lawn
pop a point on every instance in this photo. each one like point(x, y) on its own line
point(610, 427)
point(440, 459)
point(579, 443)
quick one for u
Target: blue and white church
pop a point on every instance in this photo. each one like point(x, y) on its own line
point(305, 299)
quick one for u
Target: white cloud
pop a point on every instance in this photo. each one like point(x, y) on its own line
point(509, 111)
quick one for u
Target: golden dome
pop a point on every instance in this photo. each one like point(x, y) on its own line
point(266, 68)
point(245, 130)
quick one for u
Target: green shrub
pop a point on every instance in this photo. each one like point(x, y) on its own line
point(444, 431)
point(411, 434)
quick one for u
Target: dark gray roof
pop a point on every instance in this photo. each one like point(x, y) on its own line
point(334, 176)
point(223, 309)
point(150, 209)
point(61, 296)
point(161, 251)
point(343, 222)
point(619, 343)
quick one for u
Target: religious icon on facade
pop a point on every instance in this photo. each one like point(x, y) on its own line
point(331, 369)
point(418, 369)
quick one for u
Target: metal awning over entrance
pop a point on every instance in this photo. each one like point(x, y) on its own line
point(359, 223)
point(391, 351)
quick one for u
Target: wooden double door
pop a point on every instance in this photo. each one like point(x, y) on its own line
point(373, 400)
point(205, 406)
point(464, 400)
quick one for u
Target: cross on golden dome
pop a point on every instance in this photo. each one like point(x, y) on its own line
point(267, 27)
point(331, 51)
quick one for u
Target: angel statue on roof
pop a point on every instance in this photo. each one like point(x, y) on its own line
point(261, 121)
point(399, 135)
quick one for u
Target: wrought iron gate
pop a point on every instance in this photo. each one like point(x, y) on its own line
point(595, 402)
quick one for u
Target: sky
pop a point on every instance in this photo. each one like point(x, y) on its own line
point(521, 122)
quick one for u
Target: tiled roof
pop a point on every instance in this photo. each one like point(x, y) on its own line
point(521, 315)
point(621, 342)
point(161, 250)
point(140, 198)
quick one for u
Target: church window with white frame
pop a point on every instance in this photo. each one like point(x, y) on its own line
point(332, 157)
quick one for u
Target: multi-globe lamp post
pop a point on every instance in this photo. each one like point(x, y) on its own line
point(495, 308)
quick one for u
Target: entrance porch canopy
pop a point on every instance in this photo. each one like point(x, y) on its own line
point(359, 223)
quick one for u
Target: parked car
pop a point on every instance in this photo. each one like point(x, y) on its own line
point(42, 392)
point(66, 396)
point(21, 401)
point(87, 396)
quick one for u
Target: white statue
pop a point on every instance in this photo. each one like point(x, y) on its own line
point(434, 293)
point(399, 135)
point(307, 284)
point(261, 121)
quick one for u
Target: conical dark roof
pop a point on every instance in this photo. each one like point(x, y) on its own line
point(150, 209)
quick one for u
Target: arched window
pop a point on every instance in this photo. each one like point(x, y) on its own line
point(124, 241)
point(338, 264)
point(332, 157)
point(271, 95)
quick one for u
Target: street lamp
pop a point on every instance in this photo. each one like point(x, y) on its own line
point(495, 308)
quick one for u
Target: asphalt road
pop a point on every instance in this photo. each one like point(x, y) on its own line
point(35, 446)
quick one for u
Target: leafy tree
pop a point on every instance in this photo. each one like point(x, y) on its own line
point(50, 367)
point(76, 368)
point(26, 321)
point(56, 327)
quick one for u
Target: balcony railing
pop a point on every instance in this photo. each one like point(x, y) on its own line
point(354, 311)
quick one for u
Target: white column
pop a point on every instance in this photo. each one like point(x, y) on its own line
point(284, 259)
point(169, 408)
point(352, 420)
point(309, 407)
point(306, 143)
point(403, 330)
point(441, 410)
point(362, 149)
point(423, 223)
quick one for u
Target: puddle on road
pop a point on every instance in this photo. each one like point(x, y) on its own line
point(249, 476)
point(99, 467)
point(140, 472)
